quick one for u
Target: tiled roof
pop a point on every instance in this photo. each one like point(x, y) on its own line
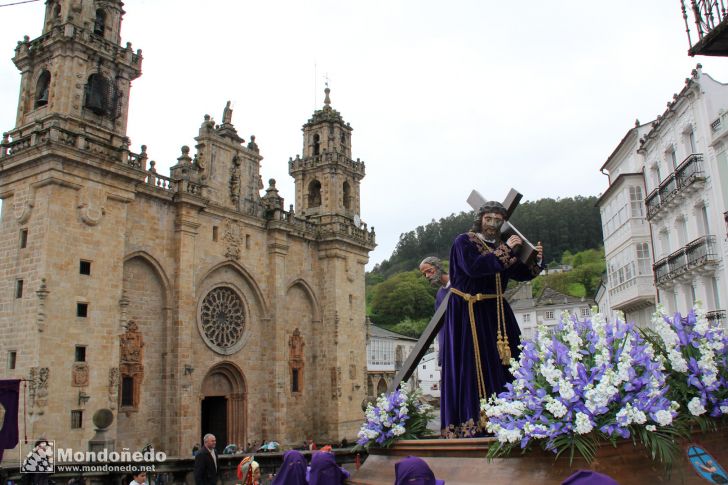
point(380, 332)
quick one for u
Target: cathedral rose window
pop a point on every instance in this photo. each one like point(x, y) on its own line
point(222, 320)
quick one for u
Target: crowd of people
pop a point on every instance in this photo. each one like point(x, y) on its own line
point(295, 469)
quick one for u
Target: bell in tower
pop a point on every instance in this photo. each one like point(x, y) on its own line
point(77, 72)
point(326, 177)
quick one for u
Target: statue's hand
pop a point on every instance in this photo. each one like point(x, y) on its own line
point(514, 241)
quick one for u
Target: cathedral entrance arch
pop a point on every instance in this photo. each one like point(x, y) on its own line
point(224, 406)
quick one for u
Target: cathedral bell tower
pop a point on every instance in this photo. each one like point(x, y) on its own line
point(76, 72)
point(327, 179)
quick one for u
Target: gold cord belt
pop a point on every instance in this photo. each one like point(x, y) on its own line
point(504, 350)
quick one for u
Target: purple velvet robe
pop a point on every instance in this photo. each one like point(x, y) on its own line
point(441, 292)
point(325, 471)
point(414, 471)
point(589, 477)
point(292, 471)
point(9, 399)
point(473, 269)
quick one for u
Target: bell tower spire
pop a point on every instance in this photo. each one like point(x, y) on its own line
point(77, 72)
point(327, 179)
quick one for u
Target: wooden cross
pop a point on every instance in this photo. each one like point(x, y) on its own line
point(526, 253)
point(431, 331)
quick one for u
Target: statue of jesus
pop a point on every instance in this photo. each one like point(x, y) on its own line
point(480, 334)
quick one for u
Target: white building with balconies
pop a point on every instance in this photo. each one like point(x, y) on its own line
point(386, 353)
point(630, 286)
point(686, 178)
point(546, 309)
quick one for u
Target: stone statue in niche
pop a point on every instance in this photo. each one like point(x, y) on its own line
point(295, 343)
point(131, 344)
point(113, 387)
point(233, 238)
point(200, 161)
point(235, 180)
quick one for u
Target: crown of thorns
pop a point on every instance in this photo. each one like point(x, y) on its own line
point(492, 207)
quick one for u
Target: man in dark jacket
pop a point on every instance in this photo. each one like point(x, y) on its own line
point(206, 462)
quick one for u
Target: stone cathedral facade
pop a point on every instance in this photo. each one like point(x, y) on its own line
point(187, 303)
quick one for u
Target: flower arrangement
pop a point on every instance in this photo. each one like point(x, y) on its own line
point(395, 416)
point(581, 383)
point(695, 353)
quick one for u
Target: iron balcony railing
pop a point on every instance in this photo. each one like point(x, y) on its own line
point(668, 188)
point(711, 21)
point(716, 316)
point(701, 251)
point(689, 171)
point(694, 254)
point(662, 271)
point(653, 202)
point(678, 262)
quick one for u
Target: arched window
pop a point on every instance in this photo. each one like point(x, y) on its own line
point(636, 201)
point(703, 221)
point(690, 141)
point(100, 22)
point(643, 259)
point(381, 387)
point(370, 387)
point(41, 89)
point(98, 97)
point(671, 157)
point(314, 193)
point(682, 231)
point(347, 195)
point(664, 242)
point(316, 144)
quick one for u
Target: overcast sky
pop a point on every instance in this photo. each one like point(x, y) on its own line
point(443, 97)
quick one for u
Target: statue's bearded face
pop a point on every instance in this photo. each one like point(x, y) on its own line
point(491, 224)
point(432, 273)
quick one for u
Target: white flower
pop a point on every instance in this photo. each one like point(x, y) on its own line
point(651, 427)
point(602, 356)
point(663, 417)
point(724, 409)
point(696, 407)
point(677, 361)
point(493, 427)
point(551, 373)
point(535, 431)
point(639, 417)
point(631, 415)
point(573, 339)
point(555, 407)
point(496, 407)
point(398, 430)
point(599, 396)
point(509, 435)
point(371, 434)
point(566, 390)
point(582, 424)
